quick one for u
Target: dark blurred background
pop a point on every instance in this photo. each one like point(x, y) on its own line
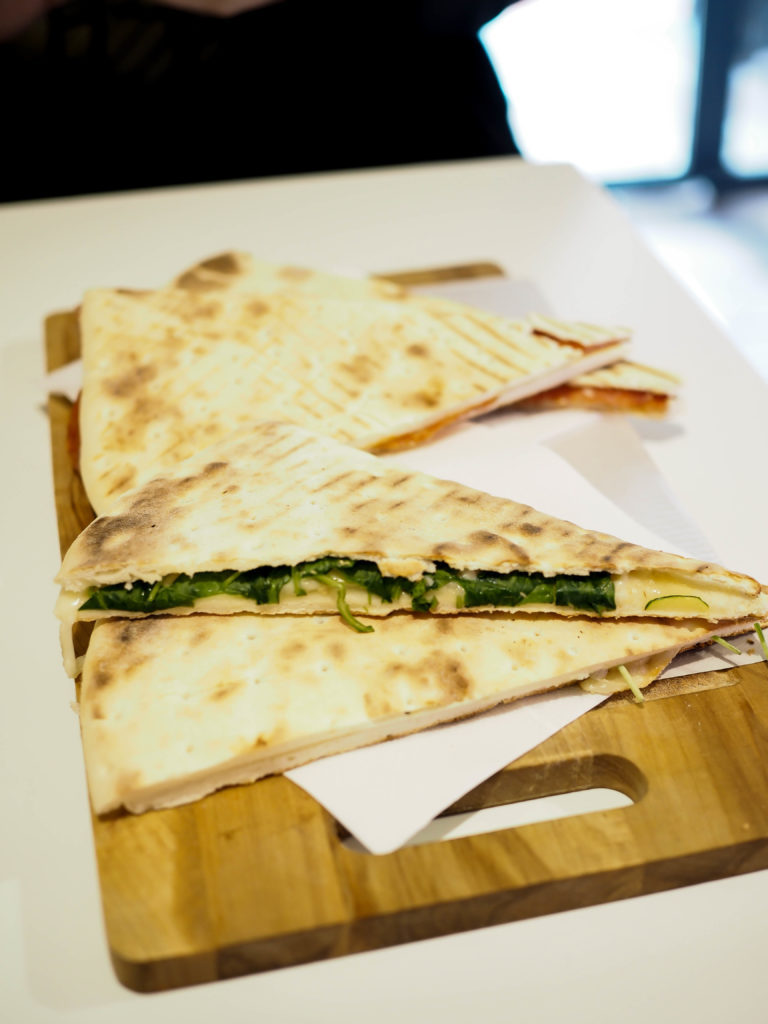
point(663, 101)
point(101, 96)
point(119, 94)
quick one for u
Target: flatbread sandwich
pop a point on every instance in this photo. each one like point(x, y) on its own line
point(173, 708)
point(170, 371)
point(280, 520)
point(622, 387)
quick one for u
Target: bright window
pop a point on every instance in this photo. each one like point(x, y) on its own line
point(607, 86)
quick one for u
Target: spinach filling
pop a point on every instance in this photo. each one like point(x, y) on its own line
point(594, 592)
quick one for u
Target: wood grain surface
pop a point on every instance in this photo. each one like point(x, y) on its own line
point(257, 877)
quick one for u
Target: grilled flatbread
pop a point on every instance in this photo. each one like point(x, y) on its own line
point(173, 708)
point(282, 520)
point(168, 372)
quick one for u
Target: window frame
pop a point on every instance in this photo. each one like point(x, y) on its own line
point(719, 20)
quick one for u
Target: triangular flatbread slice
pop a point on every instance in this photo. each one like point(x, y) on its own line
point(174, 708)
point(279, 519)
point(168, 372)
point(623, 386)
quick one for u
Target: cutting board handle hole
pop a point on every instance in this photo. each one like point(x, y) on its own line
point(534, 793)
point(526, 812)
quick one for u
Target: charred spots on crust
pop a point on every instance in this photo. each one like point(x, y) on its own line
point(123, 482)
point(226, 263)
point(136, 629)
point(349, 476)
point(486, 538)
point(429, 399)
point(530, 528)
point(446, 548)
point(430, 395)
point(293, 649)
point(148, 408)
point(466, 497)
point(442, 679)
point(377, 705)
point(394, 668)
point(151, 496)
point(272, 738)
point(360, 505)
point(224, 690)
point(515, 524)
point(201, 634)
point(161, 492)
point(106, 531)
point(122, 653)
point(194, 281)
point(418, 349)
point(270, 427)
point(101, 678)
point(257, 308)
point(361, 367)
point(520, 553)
point(610, 557)
point(456, 683)
point(129, 383)
point(126, 432)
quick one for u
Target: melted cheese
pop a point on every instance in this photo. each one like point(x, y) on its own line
point(684, 596)
point(72, 664)
point(644, 671)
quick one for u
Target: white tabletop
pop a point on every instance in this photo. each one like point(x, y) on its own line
point(697, 952)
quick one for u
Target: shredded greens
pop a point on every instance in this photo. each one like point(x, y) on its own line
point(637, 693)
point(761, 638)
point(724, 643)
point(594, 592)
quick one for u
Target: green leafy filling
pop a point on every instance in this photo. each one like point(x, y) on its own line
point(594, 592)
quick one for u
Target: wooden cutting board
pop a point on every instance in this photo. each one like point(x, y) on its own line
point(258, 877)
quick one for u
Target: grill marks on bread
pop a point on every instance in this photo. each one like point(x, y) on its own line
point(231, 339)
point(276, 494)
point(133, 645)
point(114, 538)
point(226, 263)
